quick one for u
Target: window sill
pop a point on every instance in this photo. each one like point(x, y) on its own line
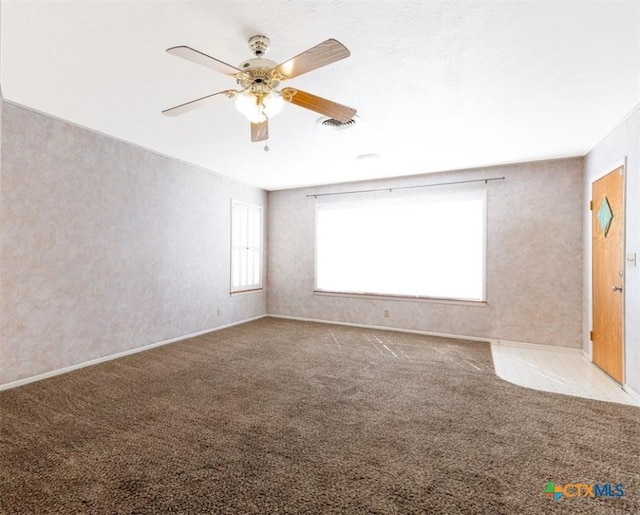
point(244, 292)
point(402, 298)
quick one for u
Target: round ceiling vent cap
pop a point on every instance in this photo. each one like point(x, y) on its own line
point(368, 155)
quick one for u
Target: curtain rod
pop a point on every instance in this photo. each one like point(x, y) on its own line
point(316, 195)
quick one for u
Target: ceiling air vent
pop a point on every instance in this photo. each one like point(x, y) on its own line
point(332, 123)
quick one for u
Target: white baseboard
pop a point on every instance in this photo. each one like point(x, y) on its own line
point(46, 375)
point(387, 328)
point(587, 355)
point(493, 341)
point(631, 392)
point(537, 346)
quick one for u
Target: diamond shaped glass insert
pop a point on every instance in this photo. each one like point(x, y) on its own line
point(605, 216)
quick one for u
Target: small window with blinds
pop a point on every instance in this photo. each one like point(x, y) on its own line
point(246, 247)
point(426, 246)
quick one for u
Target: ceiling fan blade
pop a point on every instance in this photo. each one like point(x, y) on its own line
point(318, 104)
point(194, 104)
point(260, 131)
point(327, 52)
point(195, 56)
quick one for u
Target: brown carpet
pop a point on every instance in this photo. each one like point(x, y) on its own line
point(278, 416)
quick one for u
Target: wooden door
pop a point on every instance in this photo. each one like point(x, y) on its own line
point(607, 225)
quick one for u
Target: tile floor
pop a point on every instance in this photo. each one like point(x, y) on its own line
point(559, 370)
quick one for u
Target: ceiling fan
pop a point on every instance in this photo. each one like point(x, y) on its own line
point(259, 97)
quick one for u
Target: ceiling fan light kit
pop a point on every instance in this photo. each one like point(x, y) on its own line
point(258, 107)
point(259, 97)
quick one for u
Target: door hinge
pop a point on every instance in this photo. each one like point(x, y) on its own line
point(591, 205)
point(591, 335)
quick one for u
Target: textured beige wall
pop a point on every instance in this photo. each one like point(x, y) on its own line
point(106, 247)
point(623, 142)
point(534, 259)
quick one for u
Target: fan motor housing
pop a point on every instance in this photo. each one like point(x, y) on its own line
point(257, 71)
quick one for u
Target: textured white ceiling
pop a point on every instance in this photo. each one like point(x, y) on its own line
point(437, 85)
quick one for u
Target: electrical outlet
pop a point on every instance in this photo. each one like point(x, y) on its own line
point(218, 312)
point(386, 313)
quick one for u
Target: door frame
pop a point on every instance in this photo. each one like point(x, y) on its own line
point(589, 272)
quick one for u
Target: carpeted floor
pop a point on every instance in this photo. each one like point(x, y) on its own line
point(277, 416)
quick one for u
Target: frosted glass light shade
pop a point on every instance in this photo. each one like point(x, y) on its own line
point(247, 103)
point(273, 104)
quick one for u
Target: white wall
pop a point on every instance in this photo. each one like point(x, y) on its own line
point(106, 247)
point(534, 255)
point(623, 142)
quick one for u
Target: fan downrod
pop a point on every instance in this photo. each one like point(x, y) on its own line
point(259, 45)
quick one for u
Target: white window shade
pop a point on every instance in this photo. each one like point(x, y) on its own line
point(246, 247)
point(428, 246)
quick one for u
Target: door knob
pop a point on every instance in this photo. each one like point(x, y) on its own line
point(616, 288)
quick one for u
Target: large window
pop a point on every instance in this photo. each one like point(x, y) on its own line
point(246, 247)
point(416, 246)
